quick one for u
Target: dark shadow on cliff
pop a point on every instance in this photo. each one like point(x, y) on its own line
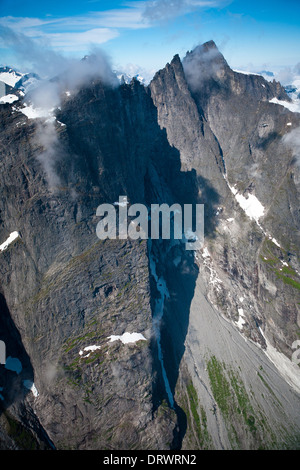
point(264, 143)
point(182, 272)
point(17, 369)
point(18, 366)
point(176, 265)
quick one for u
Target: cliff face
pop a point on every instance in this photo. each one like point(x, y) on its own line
point(64, 289)
point(230, 133)
point(209, 371)
point(233, 137)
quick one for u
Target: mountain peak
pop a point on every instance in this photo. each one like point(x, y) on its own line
point(210, 45)
point(206, 52)
point(204, 63)
point(175, 59)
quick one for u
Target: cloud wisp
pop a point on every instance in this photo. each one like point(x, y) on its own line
point(52, 152)
point(48, 95)
point(161, 10)
point(78, 32)
point(202, 64)
point(35, 55)
point(60, 75)
point(75, 33)
point(292, 141)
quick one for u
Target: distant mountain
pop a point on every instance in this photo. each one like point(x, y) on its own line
point(294, 90)
point(27, 82)
point(267, 73)
point(10, 76)
point(16, 79)
point(126, 78)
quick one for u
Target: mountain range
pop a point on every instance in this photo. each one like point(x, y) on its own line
point(141, 344)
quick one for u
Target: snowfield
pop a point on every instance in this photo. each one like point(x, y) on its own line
point(294, 106)
point(8, 99)
point(13, 236)
point(127, 338)
point(10, 78)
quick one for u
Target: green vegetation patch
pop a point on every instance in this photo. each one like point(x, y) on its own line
point(200, 421)
point(268, 387)
point(23, 437)
point(196, 418)
point(220, 386)
point(245, 408)
point(285, 273)
point(233, 402)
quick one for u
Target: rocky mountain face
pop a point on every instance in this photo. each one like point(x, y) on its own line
point(210, 363)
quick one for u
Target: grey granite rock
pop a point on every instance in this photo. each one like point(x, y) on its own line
point(218, 371)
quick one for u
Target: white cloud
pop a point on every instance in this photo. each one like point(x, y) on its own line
point(145, 75)
point(70, 41)
point(21, 23)
point(159, 10)
point(74, 33)
point(292, 140)
point(129, 17)
point(294, 107)
point(78, 31)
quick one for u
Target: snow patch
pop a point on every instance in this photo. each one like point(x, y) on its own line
point(89, 348)
point(30, 386)
point(13, 236)
point(36, 113)
point(247, 73)
point(10, 78)
point(251, 205)
point(294, 107)
point(253, 209)
point(205, 253)
point(127, 338)
point(241, 321)
point(274, 241)
point(8, 99)
point(122, 202)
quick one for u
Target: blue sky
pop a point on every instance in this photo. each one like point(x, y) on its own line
point(147, 33)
